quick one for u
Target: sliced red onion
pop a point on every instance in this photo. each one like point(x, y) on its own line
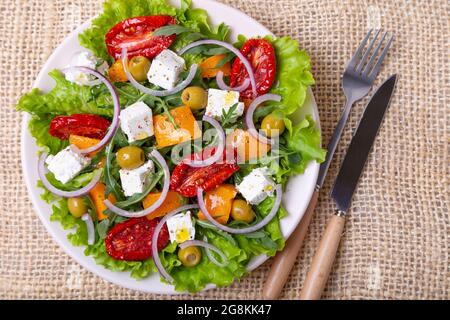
point(223, 86)
point(42, 171)
point(153, 207)
point(90, 228)
point(116, 111)
point(220, 147)
point(157, 93)
point(207, 247)
point(162, 271)
point(250, 229)
point(249, 115)
point(230, 47)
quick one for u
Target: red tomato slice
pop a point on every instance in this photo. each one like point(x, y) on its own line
point(261, 56)
point(186, 179)
point(131, 240)
point(86, 125)
point(135, 34)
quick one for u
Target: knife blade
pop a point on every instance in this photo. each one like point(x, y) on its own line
point(361, 144)
point(344, 187)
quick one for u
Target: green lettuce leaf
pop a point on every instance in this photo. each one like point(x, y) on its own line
point(62, 215)
point(196, 278)
point(64, 99)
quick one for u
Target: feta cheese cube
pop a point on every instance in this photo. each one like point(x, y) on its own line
point(81, 59)
point(181, 228)
point(66, 164)
point(256, 186)
point(136, 121)
point(135, 180)
point(220, 101)
point(165, 69)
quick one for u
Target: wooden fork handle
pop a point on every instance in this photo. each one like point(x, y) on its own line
point(284, 260)
point(322, 262)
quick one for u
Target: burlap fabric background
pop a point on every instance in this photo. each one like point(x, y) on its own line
point(396, 243)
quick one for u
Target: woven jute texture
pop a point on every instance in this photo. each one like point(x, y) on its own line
point(396, 243)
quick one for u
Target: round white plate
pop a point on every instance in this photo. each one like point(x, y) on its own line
point(296, 197)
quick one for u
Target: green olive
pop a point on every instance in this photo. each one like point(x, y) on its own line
point(77, 207)
point(194, 97)
point(272, 125)
point(242, 211)
point(130, 157)
point(190, 256)
point(139, 67)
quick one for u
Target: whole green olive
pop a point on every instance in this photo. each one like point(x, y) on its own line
point(139, 67)
point(77, 207)
point(242, 211)
point(130, 157)
point(190, 256)
point(194, 97)
point(272, 125)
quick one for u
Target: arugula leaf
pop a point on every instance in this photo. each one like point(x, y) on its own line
point(229, 116)
point(171, 29)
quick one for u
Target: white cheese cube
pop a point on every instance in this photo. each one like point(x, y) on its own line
point(136, 121)
point(81, 59)
point(220, 101)
point(135, 180)
point(66, 164)
point(256, 186)
point(181, 228)
point(165, 69)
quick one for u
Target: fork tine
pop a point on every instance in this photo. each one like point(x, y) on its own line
point(377, 67)
point(367, 53)
point(354, 59)
point(369, 65)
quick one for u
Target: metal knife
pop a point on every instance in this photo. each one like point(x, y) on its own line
point(345, 186)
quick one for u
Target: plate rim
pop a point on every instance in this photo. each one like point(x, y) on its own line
point(69, 249)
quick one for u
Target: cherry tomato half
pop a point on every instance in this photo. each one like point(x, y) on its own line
point(131, 240)
point(86, 125)
point(135, 34)
point(186, 179)
point(261, 56)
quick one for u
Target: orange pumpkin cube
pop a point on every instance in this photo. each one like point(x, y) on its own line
point(83, 142)
point(209, 66)
point(218, 202)
point(173, 201)
point(98, 196)
point(247, 147)
point(167, 135)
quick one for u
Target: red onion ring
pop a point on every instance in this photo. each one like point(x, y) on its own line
point(220, 147)
point(249, 115)
point(42, 170)
point(162, 271)
point(250, 229)
point(116, 102)
point(208, 247)
point(223, 86)
point(90, 228)
point(157, 93)
point(230, 47)
point(153, 207)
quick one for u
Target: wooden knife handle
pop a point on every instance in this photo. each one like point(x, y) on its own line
point(322, 262)
point(284, 260)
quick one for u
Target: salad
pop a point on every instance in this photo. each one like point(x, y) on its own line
point(166, 148)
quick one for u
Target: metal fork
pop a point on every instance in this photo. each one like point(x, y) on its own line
point(358, 78)
point(357, 81)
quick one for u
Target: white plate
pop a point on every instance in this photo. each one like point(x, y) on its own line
point(296, 197)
